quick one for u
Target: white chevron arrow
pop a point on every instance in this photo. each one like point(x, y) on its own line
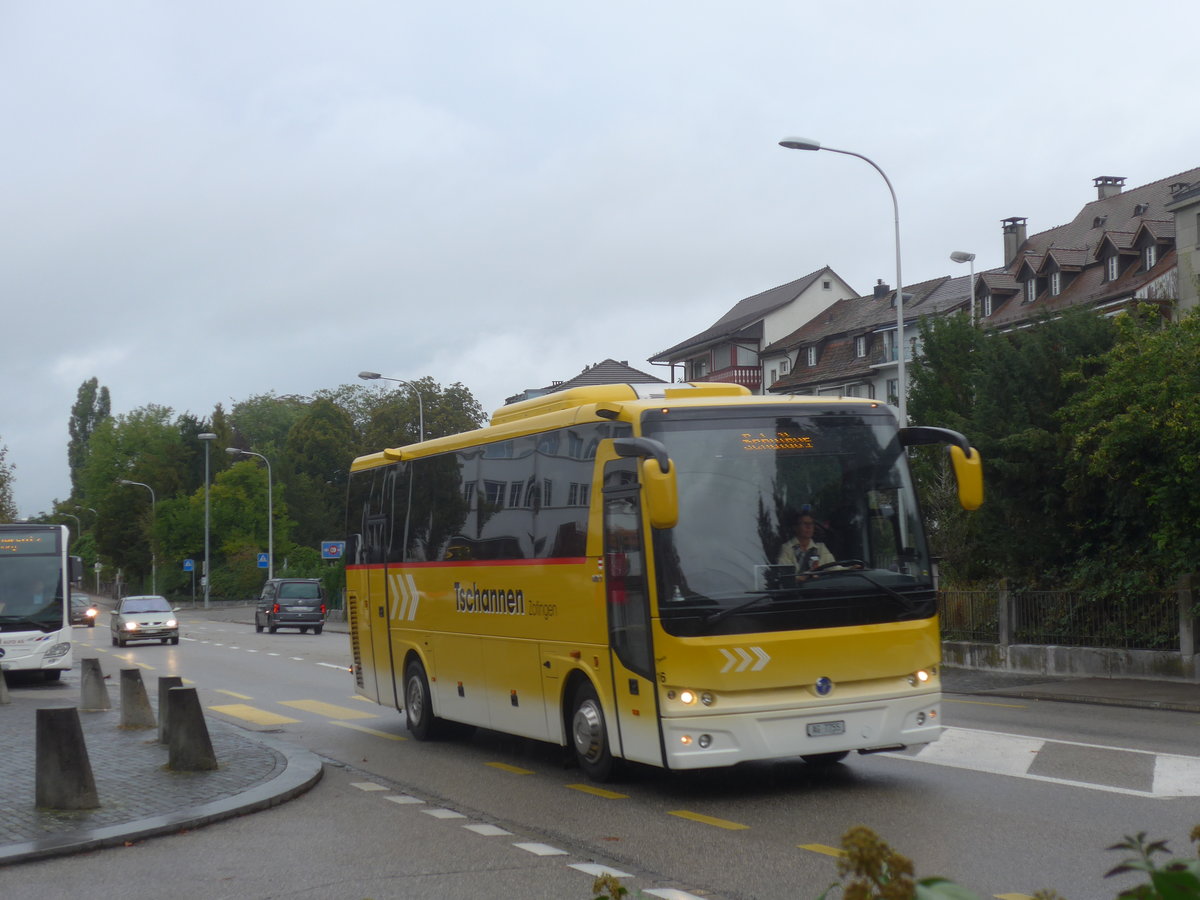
point(763, 659)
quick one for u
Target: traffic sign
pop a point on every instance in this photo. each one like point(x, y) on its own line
point(333, 549)
point(264, 561)
point(189, 565)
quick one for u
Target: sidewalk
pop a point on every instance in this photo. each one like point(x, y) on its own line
point(141, 798)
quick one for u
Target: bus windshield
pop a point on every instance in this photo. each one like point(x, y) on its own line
point(788, 520)
point(31, 584)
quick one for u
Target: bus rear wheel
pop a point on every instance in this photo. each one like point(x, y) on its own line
point(418, 705)
point(589, 735)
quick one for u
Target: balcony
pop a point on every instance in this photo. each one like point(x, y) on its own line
point(747, 376)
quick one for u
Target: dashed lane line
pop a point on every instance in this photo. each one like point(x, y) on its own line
point(512, 770)
point(708, 820)
point(598, 791)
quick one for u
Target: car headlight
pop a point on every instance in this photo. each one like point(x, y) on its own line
point(92, 612)
point(172, 623)
point(131, 626)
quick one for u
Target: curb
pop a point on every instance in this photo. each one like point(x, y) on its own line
point(302, 769)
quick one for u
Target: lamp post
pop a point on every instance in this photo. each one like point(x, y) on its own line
point(208, 438)
point(234, 451)
point(962, 256)
point(153, 555)
point(799, 143)
point(375, 376)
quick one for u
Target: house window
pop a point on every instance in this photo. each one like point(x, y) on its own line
point(893, 391)
point(860, 346)
point(1111, 268)
point(772, 376)
point(1150, 256)
point(1030, 290)
point(810, 356)
point(987, 304)
point(783, 367)
point(826, 285)
point(1055, 283)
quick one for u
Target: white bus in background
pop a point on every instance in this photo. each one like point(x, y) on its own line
point(35, 599)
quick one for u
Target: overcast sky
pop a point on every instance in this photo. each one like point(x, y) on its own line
point(208, 201)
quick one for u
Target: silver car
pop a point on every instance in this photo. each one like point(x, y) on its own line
point(144, 618)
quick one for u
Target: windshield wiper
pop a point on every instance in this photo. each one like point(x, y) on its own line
point(900, 599)
point(755, 599)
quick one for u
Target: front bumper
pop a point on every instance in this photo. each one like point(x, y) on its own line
point(739, 737)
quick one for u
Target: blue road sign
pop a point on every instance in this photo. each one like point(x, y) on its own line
point(263, 561)
point(189, 565)
point(333, 549)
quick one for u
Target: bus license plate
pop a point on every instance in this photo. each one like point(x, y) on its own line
point(824, 729)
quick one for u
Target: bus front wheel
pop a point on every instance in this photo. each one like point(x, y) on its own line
point(589, 735)
point(418, 706)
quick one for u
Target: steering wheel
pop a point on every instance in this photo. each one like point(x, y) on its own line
point(840, 564)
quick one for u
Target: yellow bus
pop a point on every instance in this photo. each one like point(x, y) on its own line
point(611, 569)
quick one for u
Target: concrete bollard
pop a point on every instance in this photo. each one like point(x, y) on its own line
point(5, 697)
point(191, 748)
point(165, 683)
point(64, 774)
point(135, 704)
point(93, 690)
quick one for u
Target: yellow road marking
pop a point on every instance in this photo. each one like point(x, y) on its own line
point(371, 731)
point(986, 703)
point(707, 820)
point(598, 792)
point(232, 694)
point(822, 848)
point(253, 714)
point(505, 767)
point(328, 710)
point(362, 699)
point(1012, 897)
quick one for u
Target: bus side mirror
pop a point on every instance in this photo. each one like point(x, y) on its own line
point(661, 491)
point(968, 472)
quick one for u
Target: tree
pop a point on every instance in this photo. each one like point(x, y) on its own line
point(8, 506)
point(1134, 448)
point(92, 406)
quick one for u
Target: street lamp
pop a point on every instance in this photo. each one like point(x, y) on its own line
point(373, 376)
point(153, 555)
point(799, 143)
point(234, 451)
point(962, 256)
point(208, 439)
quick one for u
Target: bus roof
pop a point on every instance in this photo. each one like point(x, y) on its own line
point(615, 402)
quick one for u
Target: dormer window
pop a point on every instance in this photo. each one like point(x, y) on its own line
point(1055, 283)
point(810, 356)
point(987, 305)
point(860, 347)
point(1112, 268)
point(1141, 209)
point(1150, 256)
point(783, 367)
point(1030, 290)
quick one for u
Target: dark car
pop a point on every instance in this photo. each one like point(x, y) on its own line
point(291, 603)
point(83, 610)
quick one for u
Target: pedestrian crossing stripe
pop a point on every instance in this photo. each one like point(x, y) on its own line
point(1119, 770)
point(329, 710)
point(252, 714)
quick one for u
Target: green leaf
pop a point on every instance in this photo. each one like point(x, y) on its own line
point(943, 889)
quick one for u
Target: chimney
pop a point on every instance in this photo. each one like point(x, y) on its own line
point(1014, 237)
point(1108, 186)
point(881, 289)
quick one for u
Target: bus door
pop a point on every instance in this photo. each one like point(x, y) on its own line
point(628, 605)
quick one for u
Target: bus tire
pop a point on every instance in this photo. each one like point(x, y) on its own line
point(418, 704)
point(589, 734)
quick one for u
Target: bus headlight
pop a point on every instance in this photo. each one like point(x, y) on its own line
point(687, 697)
point(920, 677)
point(57, 650)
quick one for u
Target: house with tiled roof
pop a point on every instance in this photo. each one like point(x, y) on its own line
point(851, 348)
point(1120, 248)
point(610, 371)
point(729, 349)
